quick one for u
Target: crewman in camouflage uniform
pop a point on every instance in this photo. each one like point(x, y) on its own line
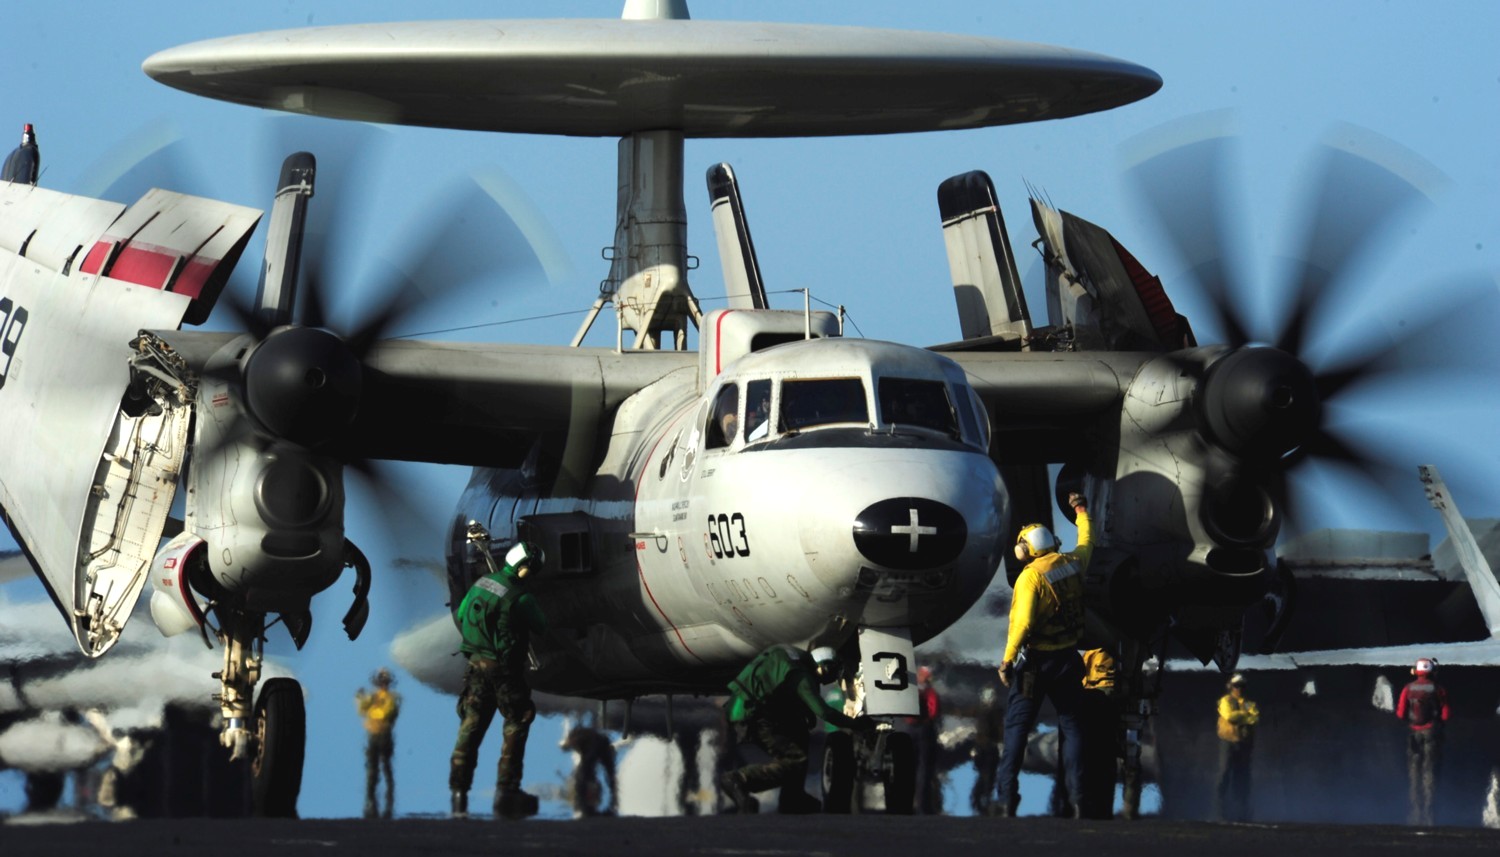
point(774, 702)
point(496, 619)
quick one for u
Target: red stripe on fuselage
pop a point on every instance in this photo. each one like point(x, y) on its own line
point(641, 572)
point(719, 340)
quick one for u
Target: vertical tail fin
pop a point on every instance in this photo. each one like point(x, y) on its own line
point(985, 283)
point(1476, 567)
point(741, 270)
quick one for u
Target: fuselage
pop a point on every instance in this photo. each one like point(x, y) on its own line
point(806, 492)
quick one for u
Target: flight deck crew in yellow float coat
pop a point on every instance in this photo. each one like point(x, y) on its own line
point(1041, 652)
point(496, 619)
point(1237, 719)
point(379, 710)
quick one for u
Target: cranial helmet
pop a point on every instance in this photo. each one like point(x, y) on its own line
point(524, 553)
point(1237, 680)
point(823, 655)
point(382, 678)
point(1034, 540)
point(1424, 666)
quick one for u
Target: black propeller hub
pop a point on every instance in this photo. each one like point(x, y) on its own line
point(1260, 403)
point(303, 384)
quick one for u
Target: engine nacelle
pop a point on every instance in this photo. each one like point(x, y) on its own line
point(175, 608)
point(271, 510)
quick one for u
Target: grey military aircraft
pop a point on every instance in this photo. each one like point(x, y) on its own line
point(783, 484)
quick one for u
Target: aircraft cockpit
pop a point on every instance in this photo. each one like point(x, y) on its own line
point(853, 393)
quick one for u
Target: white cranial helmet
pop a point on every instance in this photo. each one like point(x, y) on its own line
point(1034, 540)
point(521, 554)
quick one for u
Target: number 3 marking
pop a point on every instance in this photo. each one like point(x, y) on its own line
point(896, 673)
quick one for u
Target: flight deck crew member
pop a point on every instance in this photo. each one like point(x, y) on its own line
point(989, 729)
point(379, 710)
point(496, 619)
point(773, 703)
point(1424, 706)
point(929, 796)
point(1237, 719)
point(1041, 652)
point(1099, 718)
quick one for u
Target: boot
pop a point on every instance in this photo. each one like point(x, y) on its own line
point(733, 788)
point(459, 808)
point(515, 804)
point(369, 807)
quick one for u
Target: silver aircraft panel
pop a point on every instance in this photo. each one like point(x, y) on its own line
point(614, 77)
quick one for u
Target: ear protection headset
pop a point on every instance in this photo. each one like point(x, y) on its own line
point(1034, 540)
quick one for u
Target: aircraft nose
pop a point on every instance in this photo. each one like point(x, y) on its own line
point(910, 533)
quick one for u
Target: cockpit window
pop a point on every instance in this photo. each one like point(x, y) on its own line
point(723, 424)
point(757, 410)
point(805, 404)
point(971, 422)
point(917, 403)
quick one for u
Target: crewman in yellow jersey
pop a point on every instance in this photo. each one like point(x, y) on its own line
point(1237, 718)
point(1041, 653)
point(379, 710)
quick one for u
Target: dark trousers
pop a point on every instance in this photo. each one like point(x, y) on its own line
point(785, 740)
point(378, 751)
point(982, 796)
point(1232, 798)
point(1058, 676)
point(491, 686)
point(1424, 752)
point(929, 796)
point(1099, 712)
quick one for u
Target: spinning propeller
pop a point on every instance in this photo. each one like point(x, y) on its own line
point(1265, 403)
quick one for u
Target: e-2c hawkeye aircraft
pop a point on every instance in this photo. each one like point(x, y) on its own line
point(785, 484)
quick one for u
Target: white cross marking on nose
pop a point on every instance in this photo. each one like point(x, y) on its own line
point(914, 531)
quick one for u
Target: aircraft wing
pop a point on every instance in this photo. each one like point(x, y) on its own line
point(87, 489)
point(477, 404)
point(1480, 653)
point(1049, 385)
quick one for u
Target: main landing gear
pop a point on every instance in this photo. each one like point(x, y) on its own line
point(869, 772)
point(272, 733)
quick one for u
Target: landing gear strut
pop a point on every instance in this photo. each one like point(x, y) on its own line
point(868, 772)
point(273, 732)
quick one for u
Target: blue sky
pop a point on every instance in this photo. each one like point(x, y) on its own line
point(854, 219)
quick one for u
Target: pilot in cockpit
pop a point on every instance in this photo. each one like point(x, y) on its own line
point(724, 424)
point(758, 410)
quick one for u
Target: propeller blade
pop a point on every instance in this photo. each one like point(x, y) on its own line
point(1352, 202)
point(1187, 190)
point(155, 155)
point(244, 314)
point(471, 239)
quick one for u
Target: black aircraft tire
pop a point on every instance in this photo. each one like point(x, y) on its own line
point(280, 730)
point(900, 774)
point(838, 772)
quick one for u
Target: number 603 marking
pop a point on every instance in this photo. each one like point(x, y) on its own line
point(727, 536)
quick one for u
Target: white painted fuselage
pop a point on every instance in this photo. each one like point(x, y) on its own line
point(691, 551)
